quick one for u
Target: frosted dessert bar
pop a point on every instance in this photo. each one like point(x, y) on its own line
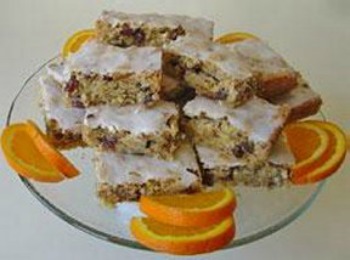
point(210, 68)
point(274, 172)
point(274, 75)
point(125, 177)
point(101, 74)
point(63, 124)
point(246, 132)
point(302, 101)
point(133, 129)
point(124, 30)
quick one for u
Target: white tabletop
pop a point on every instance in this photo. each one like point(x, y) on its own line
point(315, 37)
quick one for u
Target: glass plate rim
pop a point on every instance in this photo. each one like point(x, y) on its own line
point(124, 242)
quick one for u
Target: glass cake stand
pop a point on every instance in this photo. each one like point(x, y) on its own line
point(260, 212)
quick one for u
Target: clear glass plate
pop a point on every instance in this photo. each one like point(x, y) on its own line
point(260, 212)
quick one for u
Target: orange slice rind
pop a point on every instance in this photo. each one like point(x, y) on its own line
point(190, 210)
point(235, 37)
point(75, 41)
point(182, 240)
point(23, 156)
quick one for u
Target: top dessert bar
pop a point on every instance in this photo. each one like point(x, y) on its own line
point(63, 124)
point(101, 74)
point(121, 29)
point(274, 75)
point(210, 68)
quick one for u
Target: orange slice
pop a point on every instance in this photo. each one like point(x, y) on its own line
point(330, 161)
point(74, 42)
point(235, 37)
point(307, 142)
point(190, 210)
point(319, 148)
point(23, 156)
point(53, 156)
point(182, 240)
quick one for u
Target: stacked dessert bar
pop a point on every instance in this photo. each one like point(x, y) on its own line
point(115, 81)
point(168, 110)
point(246, 92)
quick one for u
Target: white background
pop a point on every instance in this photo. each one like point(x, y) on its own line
point(313, 35)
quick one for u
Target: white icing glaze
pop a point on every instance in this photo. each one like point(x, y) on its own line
point(193, 26)
point(211, 158)
point(135, 118)
point(59, 71)
point(259, 56)
point(54, 106)
point(297, 97)
point(258, 118)
point(106, 59)
point(115, 168)
point(281, 154)
point(215, 53)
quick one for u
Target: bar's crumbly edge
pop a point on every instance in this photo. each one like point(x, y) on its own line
point(117, 89)
point(161, 144)
point(63, 139)
point(110, 194)
point(264, 174)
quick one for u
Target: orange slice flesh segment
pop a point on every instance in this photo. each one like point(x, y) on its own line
point(75, 41)
point(235, 37)
point(330, 161)
point(190, 210)
point(49, 152)
point(182, 240)
point(307, 142)
point(23, 156)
